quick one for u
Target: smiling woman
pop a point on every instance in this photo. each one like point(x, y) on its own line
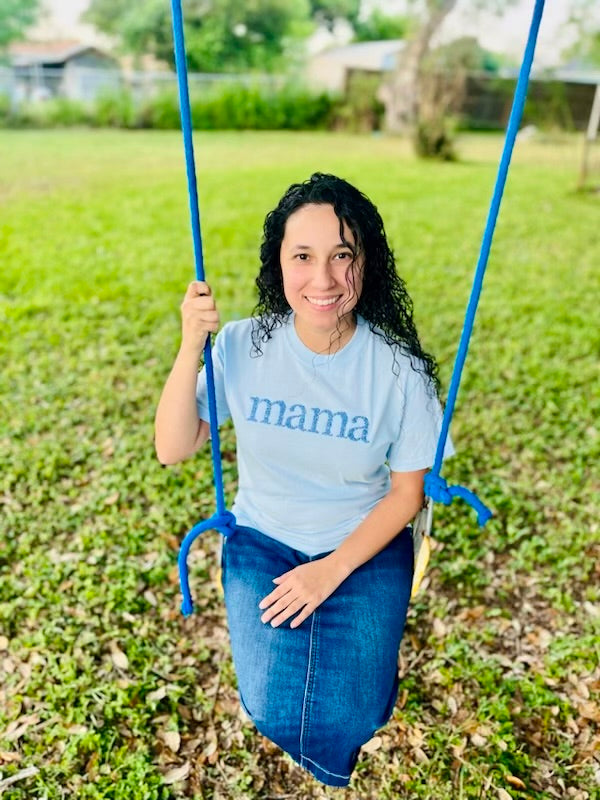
point(335, 409)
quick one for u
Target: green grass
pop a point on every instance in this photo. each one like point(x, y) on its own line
point(500, 661)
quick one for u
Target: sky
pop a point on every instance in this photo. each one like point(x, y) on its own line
point(501, 33)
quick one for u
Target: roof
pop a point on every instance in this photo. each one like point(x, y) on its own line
point(376, 56)
point(24, 54)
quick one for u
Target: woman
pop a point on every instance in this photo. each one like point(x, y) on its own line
point(336, 414)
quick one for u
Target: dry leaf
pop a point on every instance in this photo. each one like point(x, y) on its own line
point(8, 665)
point(504, 795)
point(150, 598)
point(119, 658)
point(158, 694)
point(372, 745)
point(589, 711)
point(77, 730)
point(3, 643)
point(420, 756)
point(478, 740)
point(18, 727)
point(439, 629)
point(8, 757)
point(583, 690)
point(210, 749)
point(173, 740)
point(177, 774)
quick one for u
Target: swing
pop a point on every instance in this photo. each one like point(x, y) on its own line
point(435, 486)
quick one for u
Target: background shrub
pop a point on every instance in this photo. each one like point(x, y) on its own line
point(114, 109)
point(160, 112)
point(360, 110)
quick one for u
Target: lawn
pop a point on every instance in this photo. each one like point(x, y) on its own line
point(105, 689)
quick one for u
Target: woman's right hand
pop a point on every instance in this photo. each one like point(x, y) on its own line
point(199, 316)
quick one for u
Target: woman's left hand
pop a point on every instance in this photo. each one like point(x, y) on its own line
point(302, 590)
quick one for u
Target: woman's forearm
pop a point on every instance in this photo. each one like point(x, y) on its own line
point(178, 430)
point(385, 521)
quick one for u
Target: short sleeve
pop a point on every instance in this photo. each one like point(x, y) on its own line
point(218, 360)
point(421, 422)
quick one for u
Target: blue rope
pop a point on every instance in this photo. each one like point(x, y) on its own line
point(222, 520)
point(435, 485)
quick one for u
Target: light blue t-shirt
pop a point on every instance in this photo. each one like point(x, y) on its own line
point(317, 435)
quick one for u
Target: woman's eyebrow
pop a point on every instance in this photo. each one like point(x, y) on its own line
point(339, 246)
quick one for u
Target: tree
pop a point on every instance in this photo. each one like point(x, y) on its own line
point(585, 17)
point(15, 17)
point(379, 26)
point(221, 35)
point(403, 91)
point(325, 12)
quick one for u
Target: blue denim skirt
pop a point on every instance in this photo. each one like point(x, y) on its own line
point(321, 690)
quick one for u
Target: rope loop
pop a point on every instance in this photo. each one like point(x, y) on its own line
point(223, 522)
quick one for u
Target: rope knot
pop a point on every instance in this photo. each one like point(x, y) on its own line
point(437, 488)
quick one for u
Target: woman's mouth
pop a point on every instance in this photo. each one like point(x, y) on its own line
point(323, 302)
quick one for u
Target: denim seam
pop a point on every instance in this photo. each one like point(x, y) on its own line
point(326, 771)
point(305, 726)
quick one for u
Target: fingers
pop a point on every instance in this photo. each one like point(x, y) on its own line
point(285, 601)
point(285, 608)
point(197, 289)
point(199, 314)
point(275, 606)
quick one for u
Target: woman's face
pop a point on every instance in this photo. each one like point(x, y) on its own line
point(320, 281)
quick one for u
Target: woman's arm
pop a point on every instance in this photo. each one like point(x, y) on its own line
point(304, 588)
point(179, 432)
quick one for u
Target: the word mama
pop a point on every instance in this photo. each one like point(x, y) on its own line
point(297, 417)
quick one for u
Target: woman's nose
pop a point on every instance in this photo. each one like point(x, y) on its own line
point(323, 275)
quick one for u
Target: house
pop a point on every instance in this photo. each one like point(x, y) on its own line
point(71, 69)
point(330, 69)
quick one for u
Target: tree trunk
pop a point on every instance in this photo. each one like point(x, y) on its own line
point(401, 94)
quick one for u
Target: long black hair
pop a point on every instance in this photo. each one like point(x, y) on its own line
point(384, 301)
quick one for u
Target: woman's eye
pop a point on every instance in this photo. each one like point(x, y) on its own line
point(301, 256)
point(344, 255)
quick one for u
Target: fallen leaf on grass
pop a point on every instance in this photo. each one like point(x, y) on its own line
point(177, 774)
point(173, 740)
point(210, 749)
point(420, 755)
point(158, 694)
point(77, 730)
point(7, 757)
point(119, 658)
point(504, 795)
point(18, 727)
point(372, 745)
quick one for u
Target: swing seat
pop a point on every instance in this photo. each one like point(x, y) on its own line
point(421, 535)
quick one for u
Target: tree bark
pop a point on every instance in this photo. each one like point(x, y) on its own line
point(401, 94)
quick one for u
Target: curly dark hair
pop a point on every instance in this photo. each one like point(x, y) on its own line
point(384, 301)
